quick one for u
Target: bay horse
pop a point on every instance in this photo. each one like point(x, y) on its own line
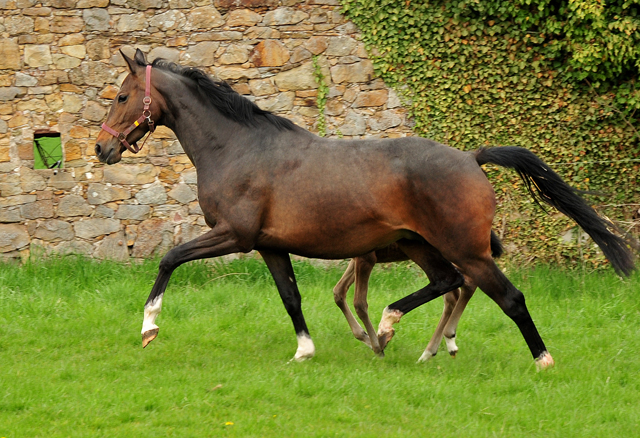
point(269, 185)
point(359, 270)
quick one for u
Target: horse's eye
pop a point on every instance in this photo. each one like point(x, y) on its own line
point(122, 98)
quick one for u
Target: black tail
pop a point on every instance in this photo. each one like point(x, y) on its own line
point(547, 186)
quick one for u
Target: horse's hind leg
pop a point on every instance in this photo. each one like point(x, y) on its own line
point(495, 284)
point(340, 297)
point(443, 277)
point(279, 265)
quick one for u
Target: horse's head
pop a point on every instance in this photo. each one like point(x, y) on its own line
point(132, 115)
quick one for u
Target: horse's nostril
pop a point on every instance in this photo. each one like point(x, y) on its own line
point(98, 149)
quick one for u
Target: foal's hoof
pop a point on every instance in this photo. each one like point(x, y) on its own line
point(149, 336)
point(427, 355)
point(384, 338)
point(544, 361)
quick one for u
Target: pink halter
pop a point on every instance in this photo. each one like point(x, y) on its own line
point(146, 115)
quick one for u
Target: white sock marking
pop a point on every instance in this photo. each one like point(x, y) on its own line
point(151, 312)
point(306, 349)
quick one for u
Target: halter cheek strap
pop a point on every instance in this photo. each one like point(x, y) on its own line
point(146, 115)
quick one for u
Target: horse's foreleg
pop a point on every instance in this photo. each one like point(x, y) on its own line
point(450, 300)
point(218, 241)
point(340, 297)
point(279, 265)
point(363, 268)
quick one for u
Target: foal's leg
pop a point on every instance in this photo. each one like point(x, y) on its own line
point(364, 266)
point(466, 292)
point(279, 265)
point(451, 324)
point(340, 296)
point(450, 301)
point(216, 242)
point(443, 277)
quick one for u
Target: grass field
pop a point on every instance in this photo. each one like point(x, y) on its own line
point(71, 363)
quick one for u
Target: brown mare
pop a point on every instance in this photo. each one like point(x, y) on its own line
point(359, 271)
point(266, 184)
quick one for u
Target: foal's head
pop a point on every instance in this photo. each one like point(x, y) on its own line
point(124, 117)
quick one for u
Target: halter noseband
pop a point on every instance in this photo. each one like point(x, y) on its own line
point(146, 115)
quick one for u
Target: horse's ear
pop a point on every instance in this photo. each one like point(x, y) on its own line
point(140, 58)
point(135, 64)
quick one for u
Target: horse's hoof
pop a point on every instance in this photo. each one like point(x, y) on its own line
point(544, 361)
point(149, 336)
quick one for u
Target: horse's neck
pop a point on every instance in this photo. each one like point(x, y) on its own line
point(201, 131)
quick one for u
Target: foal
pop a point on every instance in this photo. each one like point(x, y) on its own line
point(359, 270)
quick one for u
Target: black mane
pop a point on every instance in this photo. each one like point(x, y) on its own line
point(225, 99)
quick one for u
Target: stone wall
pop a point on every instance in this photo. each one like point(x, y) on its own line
point(60, 68)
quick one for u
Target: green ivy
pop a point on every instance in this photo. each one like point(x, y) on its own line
point(556, 77)
point(321, 98)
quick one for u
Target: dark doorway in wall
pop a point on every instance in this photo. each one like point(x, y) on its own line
point(47, 150)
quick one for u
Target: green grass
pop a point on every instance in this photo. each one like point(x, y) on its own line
point(71, 364)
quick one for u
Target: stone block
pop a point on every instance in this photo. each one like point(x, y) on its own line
point(278, 103)
point(13, 237)
point(54, 230)
point(63, 180)
point(316, 44)
point(112, 247)
point(96, 19)
point(133, 212)
point(154, 194)
point(131, 23)
point(73, 205)
point(182, 193)
point(204, 17)
point(262, 87)
point(235, 54)
point(9, 93)
point(79, 247)
point(354, 124)
point(101, 194)
point(92, 228)
point(252, 4)
point(37, 210)
point(65, 24)
point(243, 17)
point(300, 78)
point(31, 179)
point(384, 120)
point(18, 24)
point(340, 46)
point(94, 111)
point(358, 72)
point(284, 16)
point(172, 19)
point(201, 54)
point(9, 54)
point(371, 98)
point(8, 215)
point(130, 174)
point(270, 53)
point(154, 237)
